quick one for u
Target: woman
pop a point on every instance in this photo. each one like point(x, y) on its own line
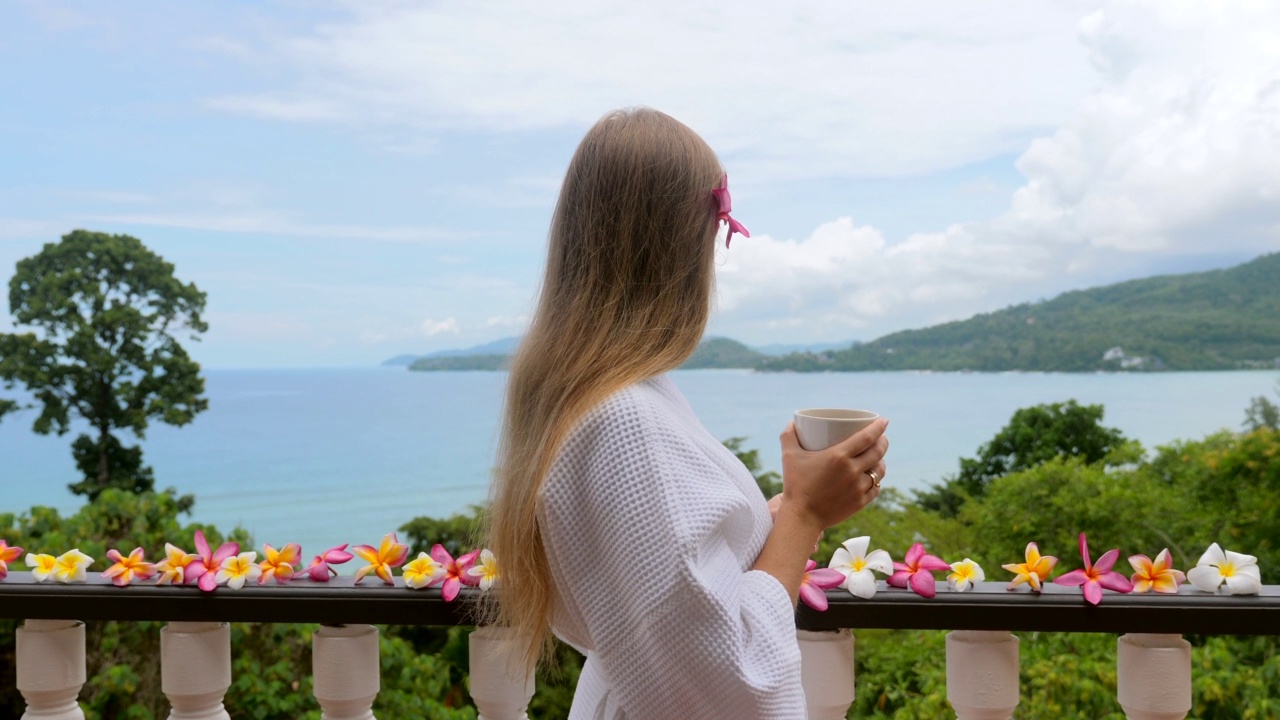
point(622, 525)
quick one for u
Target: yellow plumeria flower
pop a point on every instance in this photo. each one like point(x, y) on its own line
point(128, 567)
point(965, 574)
point(237, 569)
point(1034, 571)
point(173, 567)
point(42, 566)
point(422, 572)
point(70, 566)
point(486, 569)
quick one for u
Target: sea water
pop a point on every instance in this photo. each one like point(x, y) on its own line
point(324, 457)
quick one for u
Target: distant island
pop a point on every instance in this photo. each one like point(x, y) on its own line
point(1216, 320)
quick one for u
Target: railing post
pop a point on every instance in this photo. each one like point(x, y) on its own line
point(826, 672)
point(195, 669)
point(982, 674)
point(346, 670)
point(499, 684)
point(1153, 676)
point(51, 668)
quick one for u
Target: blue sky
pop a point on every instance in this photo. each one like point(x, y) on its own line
point(350, 181)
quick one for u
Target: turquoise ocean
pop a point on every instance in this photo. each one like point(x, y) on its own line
point(324, 457)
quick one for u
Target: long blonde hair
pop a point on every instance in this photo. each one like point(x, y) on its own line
point(626, 296)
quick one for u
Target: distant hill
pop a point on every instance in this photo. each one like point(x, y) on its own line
point(720, 352)
point(505, 346)
point(1216, 320)
point(713, 352)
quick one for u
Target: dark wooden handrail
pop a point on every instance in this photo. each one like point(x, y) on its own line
point(988, 607)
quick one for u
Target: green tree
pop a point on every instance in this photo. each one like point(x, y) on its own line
point(105, 311)
point(1033, 436)
point(1262, 413)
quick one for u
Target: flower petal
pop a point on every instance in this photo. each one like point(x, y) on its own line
point(1240, 559)
point(825, 578)
point(1212, 556)
point(841, 560)
point(1115, 581)
point(202, 546)
point(440, 555)
point(1205, 577)
point(862, 584)
point(226, 550)
point(857, 547)
point(914, 554)
point(367, 553)
point(1241, 584)
point(1163, 561)
point(932, 562)
point(1073, 578)
point(1107, 561)
point(880, 561)
point(923, 584)
point(451, 588)
point(1141, 564)
point(1093, 592)
point(1084, 552)
point(809, 595)
point(899, 579)
point(1164, 583)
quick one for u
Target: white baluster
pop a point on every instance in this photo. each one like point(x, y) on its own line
point(51, 668)
point(345, 665)
point(1153, 674)
point(826, 672)
point(500, 686)
point(195, 669)
point(982, 674)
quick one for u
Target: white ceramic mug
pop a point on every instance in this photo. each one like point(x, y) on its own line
point(820, 428)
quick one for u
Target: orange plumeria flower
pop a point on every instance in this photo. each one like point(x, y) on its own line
point(127, 569)
point(7, 555)
point(280, 564)
point(390, 554)
point(1159, 575)
point(1034, 571)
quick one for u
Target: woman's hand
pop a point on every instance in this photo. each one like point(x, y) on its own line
point(827, 486)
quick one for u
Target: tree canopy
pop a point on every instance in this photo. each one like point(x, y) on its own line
point(103, 311)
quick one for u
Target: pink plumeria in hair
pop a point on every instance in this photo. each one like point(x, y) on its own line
point(725, 206)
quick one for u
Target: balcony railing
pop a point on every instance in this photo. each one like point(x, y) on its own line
point(1154, 663)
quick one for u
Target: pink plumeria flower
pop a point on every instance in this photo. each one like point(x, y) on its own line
point(320, 570)
point(7, 555)
point(816, 582)
point(236, 570)
point(1159, 575)
point(422, 572)
point(204, 569)
point(486, 569)
point(279, 564)
point(127, 569)
point(391, 553)
point(1095, 577)
point(173, 567)
point(916, 572)
point(1240, 572)
point(455, 571)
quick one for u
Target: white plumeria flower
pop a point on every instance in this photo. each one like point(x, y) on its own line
point(486, 569)
point(852, 560)
point(238, 569)
point(1239, 572)
point(965, 574)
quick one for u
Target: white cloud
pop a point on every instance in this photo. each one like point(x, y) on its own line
point(793, 88)
point(1176, 150)
point(431, 328)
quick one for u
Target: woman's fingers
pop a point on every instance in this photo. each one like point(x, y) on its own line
point(863, 440)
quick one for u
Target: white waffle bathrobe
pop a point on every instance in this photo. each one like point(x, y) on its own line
point(651, 527)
